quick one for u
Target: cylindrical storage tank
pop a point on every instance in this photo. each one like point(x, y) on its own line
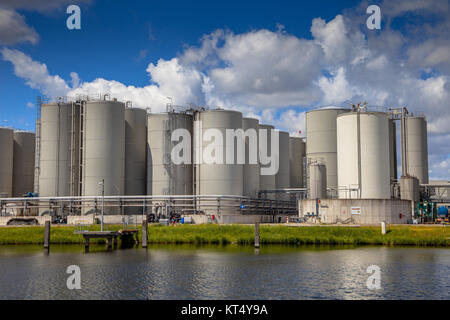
point(266, 181)
point(409, 188)
point(282, 178)
point(363, 155)
point(317, 182)
point(393, 149)
point(6, 162)
point(296, 155)
point(417, 148)
point(251, 168)
point(104, 149)
point(218, 177)
point(23, 172)
point(135, 151)
point(57, 158)
point(167, 176)
point(321, 140)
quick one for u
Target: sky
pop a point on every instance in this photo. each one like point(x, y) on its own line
point(272, 60)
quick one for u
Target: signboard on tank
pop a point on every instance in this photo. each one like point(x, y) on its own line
point(356, 210)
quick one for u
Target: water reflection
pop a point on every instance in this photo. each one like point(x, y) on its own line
point(228, 272)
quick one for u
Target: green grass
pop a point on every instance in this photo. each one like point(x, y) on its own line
point(243, 235)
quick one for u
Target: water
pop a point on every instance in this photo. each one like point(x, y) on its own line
point(231, 272)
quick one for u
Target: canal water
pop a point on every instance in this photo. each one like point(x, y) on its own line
point(229, 272)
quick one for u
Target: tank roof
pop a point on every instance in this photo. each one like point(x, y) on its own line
point(329, 108)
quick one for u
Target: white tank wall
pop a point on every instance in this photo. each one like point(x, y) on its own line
point(364, 163)
point(219, 179)
point(393, 149)
point(6, 162)
point(267, 182)
point(55, 138)
point(163, 176)
point(321, 139)
point(135, 151)
point(23, 169)
point(282, 178)
point(417, 148)
point(251, 171)
point(296, 155)
point(317, 182)
point(104, 140)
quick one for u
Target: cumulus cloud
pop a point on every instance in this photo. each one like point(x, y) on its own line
point(36, 74)
point(274, 75)
point(13, 29)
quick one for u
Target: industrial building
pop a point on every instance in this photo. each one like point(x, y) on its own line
point(97, 155)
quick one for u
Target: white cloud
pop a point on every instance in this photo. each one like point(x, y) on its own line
point(13, 29)
point(36, 74)
point(267, 74)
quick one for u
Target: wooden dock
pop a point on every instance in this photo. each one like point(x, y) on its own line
point(110, 236)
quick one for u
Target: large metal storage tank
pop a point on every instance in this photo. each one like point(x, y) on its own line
point(164, 177)
point(393, 149)
point(57, 169)
point(282, 178)
point(135, 151)
point(321, 139)
point(363, 155)
point(218, 179)
point(296, 155)
point(417, 148)
point(267, 182)
point(104, 148)
point(317, 182)
point(23, 169)
point(251, 171)
point(6, 161)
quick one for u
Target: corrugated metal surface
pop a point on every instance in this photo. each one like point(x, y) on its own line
point(267, 182)
point(6, 161)
point(317, 182)
point(23, 173)
point(282, 178)
point(296, 155)
point(55, 145)
point(321, 139)
point(219, 179)
point(104, 151)
point(135, 151)
point(164, 177)
point(417, 148)
point(251, 171)
point(393, 149)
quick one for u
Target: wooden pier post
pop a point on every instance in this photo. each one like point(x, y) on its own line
point(256, 234)
point(144, 233)
point(109, 240)
point(47, 235)
point(86, 244)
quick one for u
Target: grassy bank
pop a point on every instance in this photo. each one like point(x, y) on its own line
point(243, 235)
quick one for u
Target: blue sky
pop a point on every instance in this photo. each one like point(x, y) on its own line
point(269, 59)
point(118, 39)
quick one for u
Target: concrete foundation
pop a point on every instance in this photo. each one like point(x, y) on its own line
point(357, 211)
point(40, 220)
